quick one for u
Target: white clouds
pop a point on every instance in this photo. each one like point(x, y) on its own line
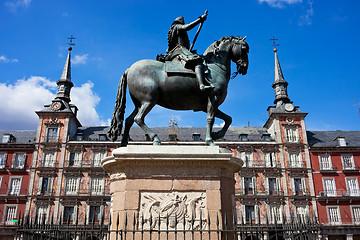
point(80, 59)
point(306, 19)
point(280, 3)
point(4, 59)
point(16, 4)
point(20, 101)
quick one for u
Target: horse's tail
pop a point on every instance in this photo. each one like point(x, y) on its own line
point(119, 110)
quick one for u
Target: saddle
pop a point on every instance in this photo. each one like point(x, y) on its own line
point(175, 65)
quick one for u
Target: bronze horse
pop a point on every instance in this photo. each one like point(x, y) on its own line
point(149, 84)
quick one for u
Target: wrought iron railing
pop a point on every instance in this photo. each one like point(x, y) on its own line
point(132, 226)
point(339, 193)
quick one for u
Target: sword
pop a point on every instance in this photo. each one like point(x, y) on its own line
point(197, 33)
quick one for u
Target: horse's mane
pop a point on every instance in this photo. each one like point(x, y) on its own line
point(213, 49)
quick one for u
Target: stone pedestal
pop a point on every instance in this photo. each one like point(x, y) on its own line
point(180, 183)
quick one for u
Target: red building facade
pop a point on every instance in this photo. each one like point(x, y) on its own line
point(16, 150)
point(335, 159)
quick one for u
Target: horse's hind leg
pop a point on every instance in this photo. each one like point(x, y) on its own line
point(227, 119)
point(128, 123)
point(139, 119)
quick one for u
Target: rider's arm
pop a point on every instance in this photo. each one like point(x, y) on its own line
point(193, 24)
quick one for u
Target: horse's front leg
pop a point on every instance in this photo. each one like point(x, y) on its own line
point(227, 119)
point(211, 109)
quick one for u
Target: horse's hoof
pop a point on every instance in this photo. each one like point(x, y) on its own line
point(156, 141)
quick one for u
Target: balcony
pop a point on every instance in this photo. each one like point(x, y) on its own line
point(339, 194)
point(47, 164)
point(266, 193)
point(262, 165)
point(350, 168)
point(340, 221)
point(300, 194)
point(328, 169)
point(13, 193)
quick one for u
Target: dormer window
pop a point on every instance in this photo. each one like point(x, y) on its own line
point(79, 137)
point(6, 138)
point(172, 137)
point(196, 136)
point(102, 137)
point(52, 134)
point(266, 137)
point(341, 141)
point(243, 137)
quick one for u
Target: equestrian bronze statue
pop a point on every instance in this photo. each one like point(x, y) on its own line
point(172, 82)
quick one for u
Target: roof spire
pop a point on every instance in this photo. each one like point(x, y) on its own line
point(65, 84)
point(279, 85)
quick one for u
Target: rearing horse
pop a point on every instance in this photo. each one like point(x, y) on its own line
point(149, 85)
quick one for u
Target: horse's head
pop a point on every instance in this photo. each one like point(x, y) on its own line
point(239, 55)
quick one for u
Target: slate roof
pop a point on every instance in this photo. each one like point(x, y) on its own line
point(21, 136)
point(328, 138)
point(184, 133)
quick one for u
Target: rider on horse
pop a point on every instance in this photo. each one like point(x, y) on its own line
point(179, 46)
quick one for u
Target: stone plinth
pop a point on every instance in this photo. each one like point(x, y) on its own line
point(182, 182)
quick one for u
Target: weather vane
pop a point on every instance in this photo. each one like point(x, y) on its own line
point(274, 43)
point(71, 43)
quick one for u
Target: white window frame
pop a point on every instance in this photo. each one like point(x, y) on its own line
point(74, 189)
point(72, 220)
point(325, 162)
point(40, 214)
point(3, 158)
point(301, 213)
point(248, 157)
point(10, 187)
point(275, 212)
point(89, 218)
point(329, 215)
point(295, 159)
point(50, 184)
point(49, 159)
point(1, 192)
point(255, 213)
point(292, 134)
point(355, 214)
point(78, 157)
point(15, 160)
point(252, 183)
point(277, 188)
point(351, 159)
point(302, 185)
point(268, 156)
point(100, 188)
point(330, 192)
point(6, 219)
point(97, 156)
point(355, 191)
point(57, 134)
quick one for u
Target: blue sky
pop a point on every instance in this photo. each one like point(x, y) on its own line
point(319, 55)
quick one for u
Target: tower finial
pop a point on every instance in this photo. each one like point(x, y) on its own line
point(71, 43)
point(274, 43)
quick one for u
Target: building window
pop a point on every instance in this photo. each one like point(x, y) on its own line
point(266, 137)
point(42, 214)
point(10, 215)
point(334, 215)
point(295, 160)
point(19, 160)
point(356, 214)
point(270, 159)
point(172, 137)
point(248, 157)
point(1, 192)
point(97, 157)
point(329, 187)
point(248, 186)
point(72, 185)
point(275, 214)
point(196, 136)
point(14, 186)
point(3, 156)
point(79, 137)
point(292, 134)
point(6, 138)
point(45, 186)
point(352, 186)
point(348, 161)
point(68, 215)
point(75, 159)
point(341, 141)
point(52, 134)
point(325, 162)
point(298, 186)
point(102, 137)
point(97, 186)
point(301, 213)
point(49, 159)
point(243, 137)
point(273, 186)
point(94, 216)
point(250, 214)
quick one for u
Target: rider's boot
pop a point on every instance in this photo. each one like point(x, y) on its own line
point(200, 77)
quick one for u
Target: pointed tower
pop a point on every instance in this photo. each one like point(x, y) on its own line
point(286, 124)
point(57, 125)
